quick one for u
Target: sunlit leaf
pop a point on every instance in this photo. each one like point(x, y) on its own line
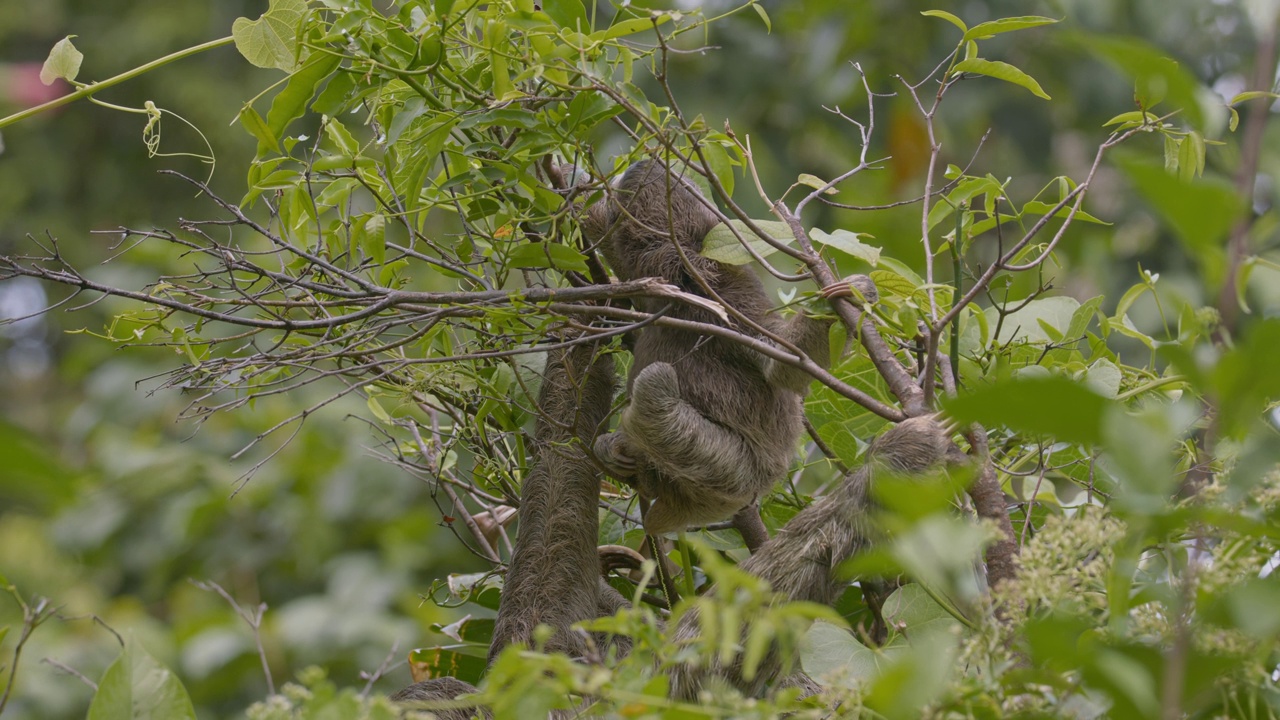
point(948, 17)
point(816, 183)
point(848, 242)
point(63, 62)
point(723, 246)
point(1135, 118)
point(635, 25)
point(1028, 322)
point(1001, 71)
point(271, 41)
point(986, 30)
point(1252, 95)
point(718, 158)
point(137, 687)
point(764, 16)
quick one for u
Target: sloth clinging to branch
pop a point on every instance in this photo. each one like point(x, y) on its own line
point(711, 423)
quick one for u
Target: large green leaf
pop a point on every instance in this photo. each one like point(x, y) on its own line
point(1201, 211)
point(831, 654)
point(723, 246)
point(290, 103)
point(1053, 406)
point(568, 14)
point(137, 687)
point(271, 41)
point(1156, 77)
point(1039, 321)
point(1246, 378)
point(847, 242)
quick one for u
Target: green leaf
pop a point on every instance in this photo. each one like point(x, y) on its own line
point(986, 30)
point(378, 411)
point(137, 687)
point(1082, 316)
point(816, 183)
point(718, 159)
point(1036, 207)
point(1023, 404)
point(1135, 118)
point(568, 14)
point(831, 653)
point(768, 26)
point(1001, 71)
point(271, 41)
point(333, 98)
point(1255, 606)
point(1242, 282)
point(587, 109)
point(965, 190)
point(291, 102)
point(547, 254)
point(911, 608)
point(63, 62)
point(469, 629)
point(1140, 456)
point(1103, 377)
point(1200, 212)
point(257, 127)
point(913, 680)
point(1028, 322)
point(1250, 95)
point(722, 246)
point(948, 17)
point(34, 473)
point(1156, 77)
point(635, 25)
point(1130, 297)
point(847, 242)
point(449, 662)
point(1246, 380)
point(941, 550)
point(372, 238)
point(414, 108)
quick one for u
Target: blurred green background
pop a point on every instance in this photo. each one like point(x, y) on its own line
point(109, 504)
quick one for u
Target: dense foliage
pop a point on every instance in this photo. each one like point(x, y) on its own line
point(1074, 241)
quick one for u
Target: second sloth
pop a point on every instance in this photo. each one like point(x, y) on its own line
point(711, 424)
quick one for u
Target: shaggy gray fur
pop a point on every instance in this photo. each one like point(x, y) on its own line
point(711, 423)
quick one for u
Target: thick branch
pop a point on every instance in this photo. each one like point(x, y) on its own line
point(989, 502)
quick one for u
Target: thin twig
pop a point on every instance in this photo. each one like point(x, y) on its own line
point(252, 618)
